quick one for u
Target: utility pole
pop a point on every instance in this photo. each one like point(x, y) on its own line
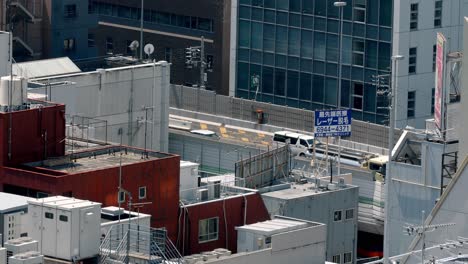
point(202, 63)
point(141, 28)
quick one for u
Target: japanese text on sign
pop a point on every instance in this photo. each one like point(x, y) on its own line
point(332, 123)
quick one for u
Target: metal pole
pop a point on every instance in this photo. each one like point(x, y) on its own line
point(141, 28)
point(388, 177)
point(202, 63)
point(341, 6)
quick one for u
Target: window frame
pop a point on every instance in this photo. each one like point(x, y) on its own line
point(350, 254)
point(346, 214)
point(438, 13)
point(139, 192)
point(357, 96)
point(340, 213)
point(336, 259)
point(216, 233)
point(411, 111)
point(412, 60)
point(434, 57)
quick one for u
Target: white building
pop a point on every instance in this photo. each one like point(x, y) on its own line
point(415, 27)
point(281, 240)
point(12, 220)
point(131, 104)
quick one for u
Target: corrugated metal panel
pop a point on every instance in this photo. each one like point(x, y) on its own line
point(44, 68)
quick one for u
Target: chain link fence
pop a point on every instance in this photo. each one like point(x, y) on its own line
point(194, 99)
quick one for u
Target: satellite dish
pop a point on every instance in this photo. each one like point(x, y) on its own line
point(134, 45)
point(149, 49)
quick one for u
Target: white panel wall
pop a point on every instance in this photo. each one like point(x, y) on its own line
point(5, 64)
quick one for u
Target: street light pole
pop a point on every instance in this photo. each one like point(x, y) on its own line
point(341, 6)
point(141, 28)
point(391, 140)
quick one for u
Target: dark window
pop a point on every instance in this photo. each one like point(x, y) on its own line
point(168, 54)
point(434, 57)
point(438, 13)
point(358, 52)
point(411, 104)
point(348, 257)
point(360, 11)
point(63, 218)
point(70, 11)
point(432, 100)
point(142, 192)
point(414, 9)
point(208, 229)
point(357, 95)
point(337, 216)
point(349, 214)
point(413, 53)
point(109, 45)
point(49, 215)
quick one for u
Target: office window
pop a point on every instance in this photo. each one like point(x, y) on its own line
point(49, 215)
point(413, 52)
point(434, 57)
point(70, 11)
point(357, 95)
point(411, 104)
point(348, 257)
point(168, 54)
point(337, 216)
point(432, 100)
point(360, 11)
point(438, 13)
point(142, 192)
point(414, 16)
point(349, 214)
point(208, 229)
point(358, 52)
point(121, 196)
point(110, 45)
point(91, 41)
point(69, 44)
point(336, 259)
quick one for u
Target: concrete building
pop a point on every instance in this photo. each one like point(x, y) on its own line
point(12, 222)
point(290, 52)
point(335, 205)
point(415, 36)
point(171, 26)
point(128, 105)
point(49, 28)
point(280, 240)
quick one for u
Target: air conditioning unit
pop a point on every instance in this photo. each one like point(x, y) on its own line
point(21, 245)
point(30, 257)
point(202, 195)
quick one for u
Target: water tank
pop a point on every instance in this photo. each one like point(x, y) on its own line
point(19, 94)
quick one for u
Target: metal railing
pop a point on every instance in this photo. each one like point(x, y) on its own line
point(212, 191)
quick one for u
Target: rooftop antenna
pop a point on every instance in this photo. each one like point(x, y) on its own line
point(134, 47)
point(149, 49)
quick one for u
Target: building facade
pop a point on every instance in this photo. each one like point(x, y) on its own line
point(415, 37)
point(289, 50)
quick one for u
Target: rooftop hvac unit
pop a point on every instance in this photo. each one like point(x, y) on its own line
point(31, 257)
point(331, 186)
point(214, 189)
point(3, 256)
point(202, 195)
point(222, 252)
point(21, 245)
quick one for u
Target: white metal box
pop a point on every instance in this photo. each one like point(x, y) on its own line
point(20, 245)
point(31, 257)
point(3, 255)
point(188, 179)
point(70, 228)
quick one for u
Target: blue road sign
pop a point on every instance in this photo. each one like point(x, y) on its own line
point(332, 123)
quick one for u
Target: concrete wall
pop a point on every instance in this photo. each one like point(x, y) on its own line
point(424, 38)
point(119, 96)
point(341, 235)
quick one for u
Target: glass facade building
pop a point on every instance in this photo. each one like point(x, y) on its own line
point(287, 53)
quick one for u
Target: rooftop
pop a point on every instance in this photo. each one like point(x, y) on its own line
point(12, 202)
point(62, 202)
point(96, 159)
point(297, 190)
point(275, 226)
point(44, 68)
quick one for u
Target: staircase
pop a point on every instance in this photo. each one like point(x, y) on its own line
point(130, 244)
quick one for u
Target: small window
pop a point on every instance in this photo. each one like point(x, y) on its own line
point(142, 192)
point(109, 45)
point(337, 216)
point(70, 11)
point(438, 14)
point(414, 9)
point(336, 259)
point(434, 57)
point(347, 257)
point(349, 215)
point(63, 218)
point(49, 215)
point(360, 11)
point(208, 229)
point(433, 101)
point(411, 104)
point(121, 196)
point(413, 54)
point(358, 52)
